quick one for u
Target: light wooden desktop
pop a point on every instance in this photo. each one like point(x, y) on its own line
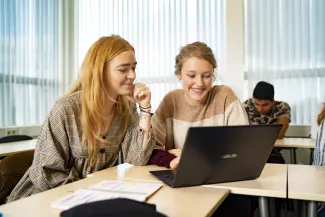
point(192, 201)
point(136, 173)
point(15, 147)
point(293, 143)
point(272, 183)
point(306, 182)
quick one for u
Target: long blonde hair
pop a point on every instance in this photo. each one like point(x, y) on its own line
point(321, 116)
point(94, 95)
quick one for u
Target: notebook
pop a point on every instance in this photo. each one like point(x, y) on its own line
point(107, 190)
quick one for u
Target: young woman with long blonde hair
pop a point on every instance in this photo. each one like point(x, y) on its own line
point(97, 118)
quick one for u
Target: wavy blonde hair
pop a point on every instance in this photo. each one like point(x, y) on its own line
point(94, 94)
point(197, 49)
point(321, 115)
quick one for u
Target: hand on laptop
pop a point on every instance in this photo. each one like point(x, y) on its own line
point(174, 163)
point(177, 152)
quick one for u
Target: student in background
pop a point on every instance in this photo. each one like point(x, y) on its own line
point(319, 155)
point(199, 103)
point(263, 109)
point(87, 127)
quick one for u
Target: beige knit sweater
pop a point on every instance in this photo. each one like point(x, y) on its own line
point(177, 112)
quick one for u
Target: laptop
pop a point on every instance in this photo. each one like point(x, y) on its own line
point(222, 154)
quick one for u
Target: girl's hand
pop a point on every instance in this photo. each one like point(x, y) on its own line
point(177, 152)
point(174, 163)
point(142, 95)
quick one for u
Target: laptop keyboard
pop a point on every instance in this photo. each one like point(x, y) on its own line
point(167, 176)
point(170, 177)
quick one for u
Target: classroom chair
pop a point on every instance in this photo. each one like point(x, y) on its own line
point(12, 168)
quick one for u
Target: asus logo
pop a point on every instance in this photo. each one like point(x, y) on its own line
point(229, 156)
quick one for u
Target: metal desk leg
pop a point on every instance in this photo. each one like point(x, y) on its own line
point(312, 209)
point(311, 156)
point(263, 206)
point(293, 155)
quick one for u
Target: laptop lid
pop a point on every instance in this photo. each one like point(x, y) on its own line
point(225, 153)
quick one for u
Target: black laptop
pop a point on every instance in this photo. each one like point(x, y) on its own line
point(222, 154)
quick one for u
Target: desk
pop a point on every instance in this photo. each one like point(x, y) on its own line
point(271, 183)
point(293, 143)
point(128, 171)
point(15, 147)
point(192, 201)
point(306, 182)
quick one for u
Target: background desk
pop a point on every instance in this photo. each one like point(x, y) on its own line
point(271, 183)
point(15, 147)
point(193, 201)
point(306, 182)
point(293, 143)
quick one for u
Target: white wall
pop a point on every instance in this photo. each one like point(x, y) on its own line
point(233, 74)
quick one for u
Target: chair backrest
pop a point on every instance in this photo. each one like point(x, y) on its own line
point(12, 168)
point(14, 138)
